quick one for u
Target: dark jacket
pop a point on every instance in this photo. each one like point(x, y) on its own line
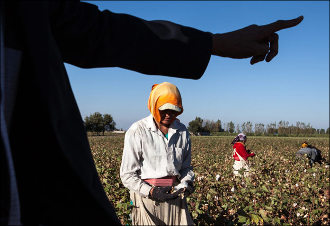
point(56, 176)
point(313, 154)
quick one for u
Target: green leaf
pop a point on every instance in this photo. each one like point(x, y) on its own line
point(253, 190)
point(264, 188)
point(197, 206)
point(208, 196)
point(277, 221)
point(263, 214)
point(194, 214)
point(269, 208)
point(242, 219)
point(199, 211)
point(256, 219)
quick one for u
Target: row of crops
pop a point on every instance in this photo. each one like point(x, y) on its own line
point(282, 190)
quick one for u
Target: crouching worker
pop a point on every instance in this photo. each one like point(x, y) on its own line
point(156, 163)
point(241, 155)
point(313, 154)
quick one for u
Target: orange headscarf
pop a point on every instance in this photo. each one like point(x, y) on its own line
point(161, 94)
point(304, 145)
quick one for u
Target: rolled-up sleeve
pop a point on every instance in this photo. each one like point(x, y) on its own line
point(130, 165)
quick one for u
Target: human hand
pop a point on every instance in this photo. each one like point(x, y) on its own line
point(258, 42)
point(162, 194)
point(186, 191)
point(189, 190)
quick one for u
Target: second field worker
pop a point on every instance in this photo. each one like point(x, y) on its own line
point(156, 164)
point(241, 155)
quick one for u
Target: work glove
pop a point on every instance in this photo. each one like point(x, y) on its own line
point(190, 189)
point(184, 192)
point(162, 194)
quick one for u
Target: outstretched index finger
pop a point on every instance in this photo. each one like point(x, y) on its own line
point(281, 24)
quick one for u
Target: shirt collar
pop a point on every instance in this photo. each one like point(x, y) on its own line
point(152, 126)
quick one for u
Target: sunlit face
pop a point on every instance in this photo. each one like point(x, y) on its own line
point(167, 117)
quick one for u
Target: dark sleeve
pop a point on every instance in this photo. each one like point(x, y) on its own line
point(315, 155)
point(88, 38)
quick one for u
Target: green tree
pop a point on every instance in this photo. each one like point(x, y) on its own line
point(271, 129)
point(211, 126)
point(283, 128)
point(230, 127)
point(196, 125)
point(238, 128)
point(218, 126)
point(247, 127)
point(99, 123)
point(88, 124)
point(259, 129)
point(208, 125)
point(109, 124)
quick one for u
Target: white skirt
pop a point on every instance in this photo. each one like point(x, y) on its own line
point(240, 165)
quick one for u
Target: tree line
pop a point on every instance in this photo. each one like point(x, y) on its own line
point(200, 126)
point(98, 123)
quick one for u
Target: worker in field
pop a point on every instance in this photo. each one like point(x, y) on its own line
point(313, 154)
point(156, 163)
point(241, 155)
